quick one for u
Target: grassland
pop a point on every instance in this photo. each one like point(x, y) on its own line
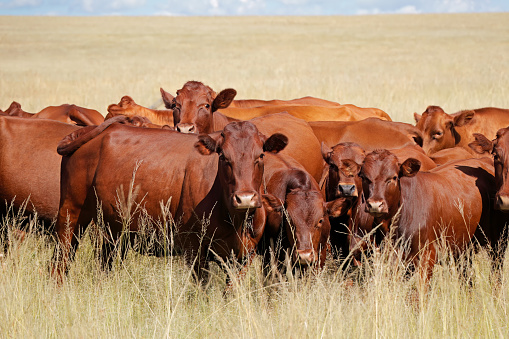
point(400, 64)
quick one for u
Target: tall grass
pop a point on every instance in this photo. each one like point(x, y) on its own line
point(144, 296)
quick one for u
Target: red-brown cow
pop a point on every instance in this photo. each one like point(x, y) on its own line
point(129, 108)
point(197, 107)
point(370, 133)
point(70, 114)
point(428, 211)
point(451, 154)
point(500, 150)
point(441, 130)
point(31, 165)
point(306, 226)
point(305, 101)
point(224, 187)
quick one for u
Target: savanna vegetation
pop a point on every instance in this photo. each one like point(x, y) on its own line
point(399, 63)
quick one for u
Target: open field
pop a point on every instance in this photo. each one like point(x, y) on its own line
point(400, 64)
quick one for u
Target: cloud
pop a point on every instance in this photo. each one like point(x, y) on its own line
point(20, 3)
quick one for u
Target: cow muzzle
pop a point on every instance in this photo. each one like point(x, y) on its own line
point(186, 128)
point(347, 190)
point(305, 257)
point(245, 200)
point(376, 207)
point(502, 203)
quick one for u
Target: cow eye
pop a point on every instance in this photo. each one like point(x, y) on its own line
point(262, 155)
point(437, 134)
point(207, 106)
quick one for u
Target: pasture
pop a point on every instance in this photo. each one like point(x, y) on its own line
point(398, 63)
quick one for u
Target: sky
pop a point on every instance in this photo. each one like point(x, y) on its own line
point(245, 7)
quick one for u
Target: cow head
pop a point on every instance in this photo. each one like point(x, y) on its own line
point(344, 161)
point(306, 223)
point(380, 174)
point(194, 105)
point(241, 150)
point(438, 128)
point(500, 150)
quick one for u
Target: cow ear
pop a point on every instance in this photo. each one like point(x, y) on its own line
point(126, 100)
point(271, 203)
point(338, 207)
point(223, 99)
point(463, 118)
point(417, 117)
point(350, 167)
point(167, 99)
point(206, 144)
point(409, 168)
point(326, 152)
point(275, 143)
point(481, 144)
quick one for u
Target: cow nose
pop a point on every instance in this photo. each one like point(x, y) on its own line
point(502, 202)
point(186, 128)
point(375, 206)
point(305, 257)
point(245, 200)
point(347, 190)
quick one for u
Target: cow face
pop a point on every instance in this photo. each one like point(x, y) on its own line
point(500, 150)
point(241, 149)
point(380, 174)
point(194, 105)
point(306, 223)
point(438, 128)
point(344, 161)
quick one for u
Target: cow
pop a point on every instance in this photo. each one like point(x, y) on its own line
point(344, 161)
point(450, 203)
point(211, 184)
point(305, 101)
point(31, 164)
point(370, 133)
point(70, 114)
point(499, 149)
point(441, 130)
point(129, 108)
point(198, 109)
point(304, 229)
point(452, 154)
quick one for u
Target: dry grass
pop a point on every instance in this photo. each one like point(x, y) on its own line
point(398, 63)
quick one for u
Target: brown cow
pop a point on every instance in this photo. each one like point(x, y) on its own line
point(451, 154)
point(224, 188)
point(441, 130)
point(450, 203)
point(70, 114)
point(305, 101)
point(129, 108)
point(370, 133)
point(197, 106)
point(306, 224)
point(30, 164)
point(499, 149)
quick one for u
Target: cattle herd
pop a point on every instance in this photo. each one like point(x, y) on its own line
point(223, 177)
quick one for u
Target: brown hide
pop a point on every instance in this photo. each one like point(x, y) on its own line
point(30, 163)
point(451, 154)
point(129, 108)
point(370, 133)
point(428, 212)
point(70, 114)
point(305, 101)
point(441, 130)
point(170, 166)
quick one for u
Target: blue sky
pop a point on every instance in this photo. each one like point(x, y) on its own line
point(245, 7)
